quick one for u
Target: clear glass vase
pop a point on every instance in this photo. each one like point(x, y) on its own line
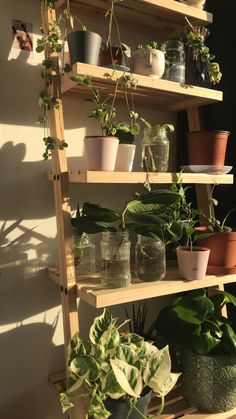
point(150, 259)
point(174, 60)
point(155, 149)
point(84, 254)
point(115, 255)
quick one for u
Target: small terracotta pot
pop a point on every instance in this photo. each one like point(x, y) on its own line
point(207, 147)
point(222, 246)
point(101, 152)
point(111, 55)
point(125, 157)
point(148, 62)
point(192, 263)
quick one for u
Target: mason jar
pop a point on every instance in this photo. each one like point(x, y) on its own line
point(150, 259)
point(174, 60)
point(155, 149)
point(115, 257)
point(84, 254)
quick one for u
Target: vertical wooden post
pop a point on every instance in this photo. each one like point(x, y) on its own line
point(62, 204)
point(202, 191)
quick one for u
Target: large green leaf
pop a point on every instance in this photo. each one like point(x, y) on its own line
point(86, 225)
point(77, 347)
point(146, 219)
point(194, 307)
point(229, 339)
point(126, 353)
point(132, 338)
point(97, 213)
point(128, 377)
point(227, 297)
point(174, 330)
point(96, 408)
point(204, 343)
point(152, 200)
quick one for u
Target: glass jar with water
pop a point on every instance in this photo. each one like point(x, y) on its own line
point(150, 259)
point(174, 60)
point(155, 148)
point(84, 254)
point(115, 255)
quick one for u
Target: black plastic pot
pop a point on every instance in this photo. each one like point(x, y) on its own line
point(84, 47)
point(209, 382)
point(119, 408)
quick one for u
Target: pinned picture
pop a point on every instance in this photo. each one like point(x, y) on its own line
point(22, 35)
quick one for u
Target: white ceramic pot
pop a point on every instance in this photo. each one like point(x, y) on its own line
point(101, 152)
point(192, 264)
point(195, 3)
point(125, 157)
point(148, 62)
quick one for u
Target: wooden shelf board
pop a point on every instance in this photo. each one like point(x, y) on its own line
point(166, 17)
point(171, 96)
point(90, 290)
point(175, 405)
point(141, 177)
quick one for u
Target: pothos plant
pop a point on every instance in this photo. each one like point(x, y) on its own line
point(52, 43)
point(113, 365)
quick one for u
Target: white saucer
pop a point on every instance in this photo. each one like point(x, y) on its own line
point(213, 170)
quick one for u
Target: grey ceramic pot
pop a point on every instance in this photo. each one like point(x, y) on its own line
point(209, 382)
point(84, 47)
point(119, 409)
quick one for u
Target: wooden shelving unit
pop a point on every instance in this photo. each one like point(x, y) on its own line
point(140, 177)
point(165, 18)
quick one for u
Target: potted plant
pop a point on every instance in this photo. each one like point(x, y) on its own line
point(155, 147)
point(117, 371)
point(207, 148)
point(192, 260)
point(148, 60)
point(221, 240)
point(112, 55)
point(101, 151)
point(201, 70)
point(126, 148)
point(194, 325)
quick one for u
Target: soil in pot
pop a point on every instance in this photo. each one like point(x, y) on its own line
point(209, 382)
point(207, 147)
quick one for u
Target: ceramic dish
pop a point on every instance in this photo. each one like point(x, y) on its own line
point(213, 170)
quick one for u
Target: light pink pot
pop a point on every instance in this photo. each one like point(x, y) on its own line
point(101, 152)
point(192, 264)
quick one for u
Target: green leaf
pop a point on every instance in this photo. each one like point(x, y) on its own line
point(96, 408)
point(86, 367)
point(110, 386)
point(229, 339)
point(194, 307)
point(204, 343)
point(65, 401)
point(86, 225)
point(128, 377)
point(103, 331)
point(132, 338)
point(145, 219)
point(97, 213)
point(158, 197)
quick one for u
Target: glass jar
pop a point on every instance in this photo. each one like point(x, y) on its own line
point(115, 254)
point(84, 254)
point(155, 149)
point(150, 259)
point(174, 60)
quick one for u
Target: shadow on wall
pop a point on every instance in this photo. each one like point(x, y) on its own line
point(23, 281)
point(28, 372)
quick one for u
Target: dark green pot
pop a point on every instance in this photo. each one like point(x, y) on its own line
point(209, 382)
point(119, 409)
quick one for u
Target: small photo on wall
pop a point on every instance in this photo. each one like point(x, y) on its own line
point(22, 35)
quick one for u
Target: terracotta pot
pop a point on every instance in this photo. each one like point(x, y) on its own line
point(101, 152)
point(149, 62)
point(222, 246)
point(125, 157)
point(110, 56)
point(207, 147)
point(192, 263)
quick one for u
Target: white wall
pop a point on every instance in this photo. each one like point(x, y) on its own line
point(31, 339)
